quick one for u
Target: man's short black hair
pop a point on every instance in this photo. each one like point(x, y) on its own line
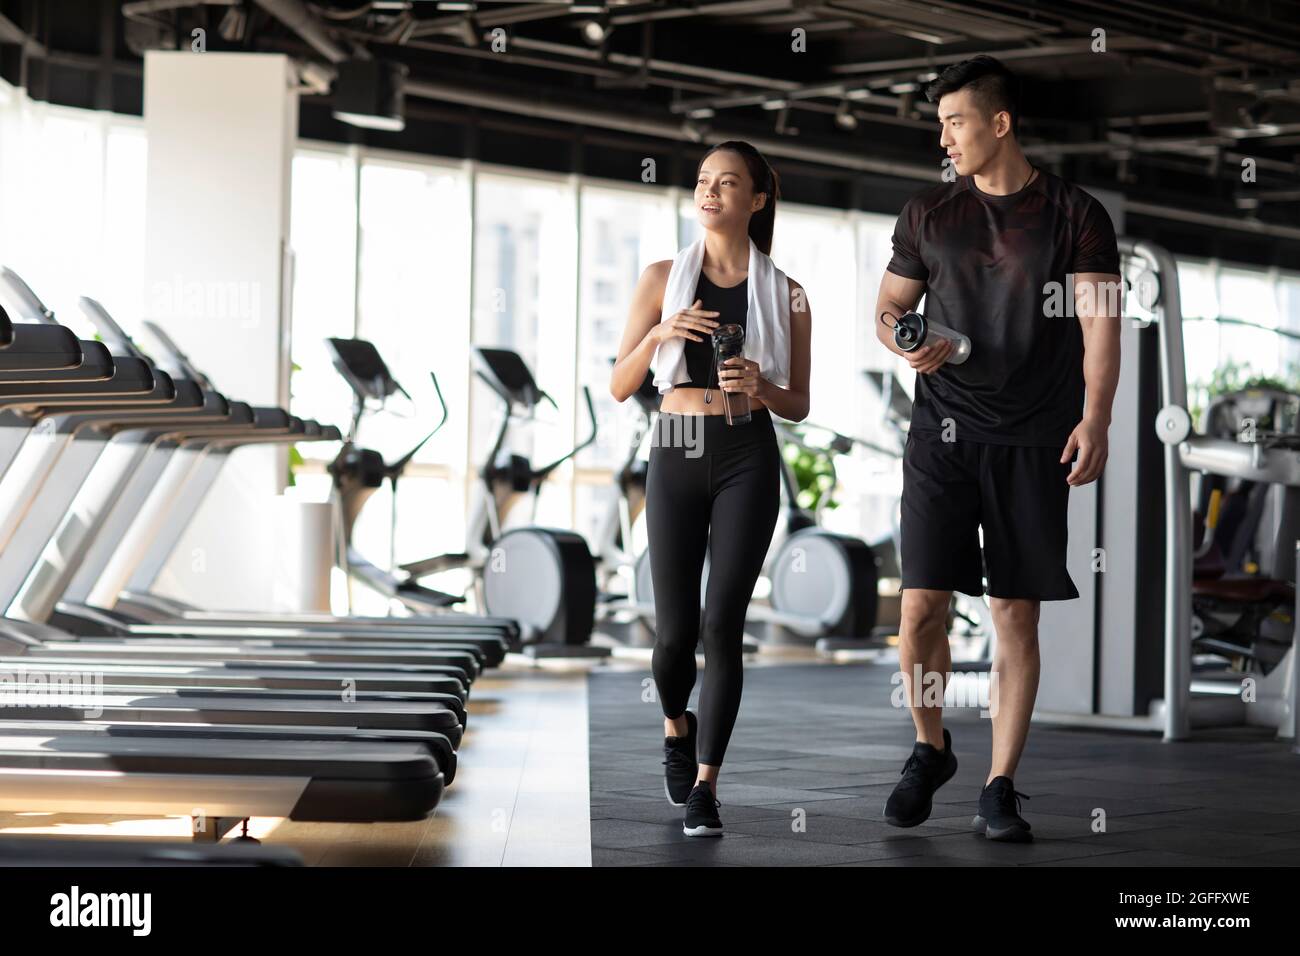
point(994, 87)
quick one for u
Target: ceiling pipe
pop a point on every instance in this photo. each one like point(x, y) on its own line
point(1273, 230)
point(11, 32)
point(683, 132)
point(139, 7)
point(841, 159)
point(295, 15)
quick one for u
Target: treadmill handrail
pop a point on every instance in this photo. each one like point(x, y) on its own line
point(27, 302)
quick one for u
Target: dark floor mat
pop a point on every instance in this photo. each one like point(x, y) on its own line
point(817, 749)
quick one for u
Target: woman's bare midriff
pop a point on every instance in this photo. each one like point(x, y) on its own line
point(690, 401)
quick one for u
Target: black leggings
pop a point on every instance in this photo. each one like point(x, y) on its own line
point(705, 473)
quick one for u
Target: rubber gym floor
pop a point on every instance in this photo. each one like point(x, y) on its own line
point(817, 749)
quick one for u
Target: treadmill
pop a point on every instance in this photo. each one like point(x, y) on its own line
point(134, 384)
point(126, 583)
point(46, 467)
point(313, 773)
point(487, 650)
point(79, 478)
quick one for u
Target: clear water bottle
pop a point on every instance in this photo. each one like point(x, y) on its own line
point(729, 342)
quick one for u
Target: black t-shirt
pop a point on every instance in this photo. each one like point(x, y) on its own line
point(986, 262)
point(732, 304)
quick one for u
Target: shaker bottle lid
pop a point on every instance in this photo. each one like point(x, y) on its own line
point(729, 332)
point(909, 330)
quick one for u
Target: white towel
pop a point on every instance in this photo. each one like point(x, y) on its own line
point(767, 323)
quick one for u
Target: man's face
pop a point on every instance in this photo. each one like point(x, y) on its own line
point(968, 136)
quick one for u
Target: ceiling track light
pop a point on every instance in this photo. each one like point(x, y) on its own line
point(845, 118)
point(596, 32)
point(370, 94)
point(783, 126)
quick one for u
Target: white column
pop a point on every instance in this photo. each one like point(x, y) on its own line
point(222, 128)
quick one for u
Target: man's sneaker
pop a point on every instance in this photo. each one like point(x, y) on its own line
point(926, 770)
point(999, 817)
point(702, 813)
point(681, 767)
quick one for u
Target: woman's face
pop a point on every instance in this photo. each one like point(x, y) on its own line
point(724, 193)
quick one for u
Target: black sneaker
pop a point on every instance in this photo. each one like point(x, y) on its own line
point(926, 770)
point(681, 767)
point(999, 817)
point(702, 813)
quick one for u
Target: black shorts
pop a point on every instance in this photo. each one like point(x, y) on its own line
point(1019, 496)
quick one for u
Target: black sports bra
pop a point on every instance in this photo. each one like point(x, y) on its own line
point(732, 305)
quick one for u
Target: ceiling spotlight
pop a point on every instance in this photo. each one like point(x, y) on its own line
point(595, 32)
point(703, 112)
point(1257, 116)
point(907, 87)
point(775, 104)
point(315, 77)
point(844, 117)
point(694, 131)
point(859, 94)
point(369, 94)
point(783, 126)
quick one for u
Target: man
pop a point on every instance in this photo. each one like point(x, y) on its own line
point(1026, 266)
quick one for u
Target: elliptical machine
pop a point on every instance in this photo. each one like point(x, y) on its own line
point(818, 574)
point(358, 472)
point(969, 622)
point(544, 578)
point(621, 613)
point(823, 584)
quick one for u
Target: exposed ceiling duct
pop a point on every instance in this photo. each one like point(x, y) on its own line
point(1177, 97)
point(297, 17)
point(792, 149)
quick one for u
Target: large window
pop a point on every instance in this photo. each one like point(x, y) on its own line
point(414, 299)
point(525, 299)
point(1288, 309)
point(322, 228)
point(623, 231)
point(414, 306)
point(72, 206)
point(817, 250)
point(1248, 295)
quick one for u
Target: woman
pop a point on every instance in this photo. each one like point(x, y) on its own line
point(712, 484)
